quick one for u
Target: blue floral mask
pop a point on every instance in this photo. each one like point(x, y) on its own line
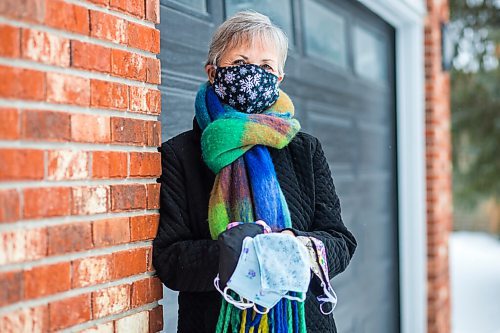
point(246, 282)
point(248, 88)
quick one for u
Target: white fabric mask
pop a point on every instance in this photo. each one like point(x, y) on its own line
point(284, 264)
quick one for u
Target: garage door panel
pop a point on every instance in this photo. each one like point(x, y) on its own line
point(374, 146)
point(184, 61)
point(339, 139)
point(177, 114)
point(362, 308)
point(181, 24)
point(381, 249)
point(375, 195)
point(373, 96)
point(199, 6)
point(299, 105)
point(372, 113)
point(325, 34)
point(280, 11)
point(318, 79)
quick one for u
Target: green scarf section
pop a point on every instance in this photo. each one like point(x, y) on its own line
point(226, 139)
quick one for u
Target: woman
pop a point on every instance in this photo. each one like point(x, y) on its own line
point(245, 159)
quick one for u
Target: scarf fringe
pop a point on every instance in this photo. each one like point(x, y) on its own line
point(285, 317)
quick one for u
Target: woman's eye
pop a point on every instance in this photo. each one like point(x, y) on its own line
point(267, 67)
point(239, 62)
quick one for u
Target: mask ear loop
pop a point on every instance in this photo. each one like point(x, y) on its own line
point(258, 311)
point(215, 69)
point(295, 298)
point(242, 305)
point(331, 296)
point(239, 304)
point(323, 311)
point(267, 228)
point(216, 284)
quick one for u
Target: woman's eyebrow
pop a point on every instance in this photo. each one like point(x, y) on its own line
point(244, 57)
point(268, 60)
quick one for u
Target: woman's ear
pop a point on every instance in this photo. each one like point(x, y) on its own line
point(280, 78)
point(210, 70)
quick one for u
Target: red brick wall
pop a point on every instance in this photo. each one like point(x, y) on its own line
point(79, 130)
point(438, 165)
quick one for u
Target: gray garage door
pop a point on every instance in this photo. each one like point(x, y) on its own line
point(340, 75)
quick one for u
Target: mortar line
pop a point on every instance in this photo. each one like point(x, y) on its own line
point(71, 145)
point(104, 320)
point(73, 255)
point(68, 219)
point(33, 65)
point(114, 12)
point(72, 292)
point(74, 109)
point(76, 183)
point(77, 37)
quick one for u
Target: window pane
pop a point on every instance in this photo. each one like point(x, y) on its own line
point(370, 55)
point(324, 33)
point(200, 5)
point(279, 11)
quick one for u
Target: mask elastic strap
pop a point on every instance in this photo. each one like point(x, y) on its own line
point(216, 284)
point(331, 297)
point(239, 304)
point(267, 228)
point(295, 298)
point(325, 312)
point(331, 293)
point(262, 223)
point(326, 299)
point(258, 311)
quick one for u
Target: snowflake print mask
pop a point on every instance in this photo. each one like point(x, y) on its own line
point(248, 88)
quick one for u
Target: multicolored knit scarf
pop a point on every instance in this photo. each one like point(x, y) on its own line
point(234, 146)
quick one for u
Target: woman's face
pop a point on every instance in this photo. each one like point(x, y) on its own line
point(262, 54)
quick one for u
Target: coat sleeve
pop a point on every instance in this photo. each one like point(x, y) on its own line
point(182, 262)
point(327, 224)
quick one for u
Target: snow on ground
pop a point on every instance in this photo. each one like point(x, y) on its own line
point(475, 282)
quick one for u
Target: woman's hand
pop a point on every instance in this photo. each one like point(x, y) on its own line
point(289, 232)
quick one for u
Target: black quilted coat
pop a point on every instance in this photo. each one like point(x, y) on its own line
point(186, 258)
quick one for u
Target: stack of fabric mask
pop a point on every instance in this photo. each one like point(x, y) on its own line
point(260, 268)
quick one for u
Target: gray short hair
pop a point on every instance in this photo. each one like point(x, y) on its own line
point(245, 26)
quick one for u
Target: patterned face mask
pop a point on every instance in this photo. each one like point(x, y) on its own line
point(320, 285)
point(284, 263)
point(248, 88)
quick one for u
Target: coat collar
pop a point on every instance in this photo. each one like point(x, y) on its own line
point(196, 130)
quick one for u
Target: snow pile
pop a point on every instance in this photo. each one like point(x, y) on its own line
point(475, 282)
